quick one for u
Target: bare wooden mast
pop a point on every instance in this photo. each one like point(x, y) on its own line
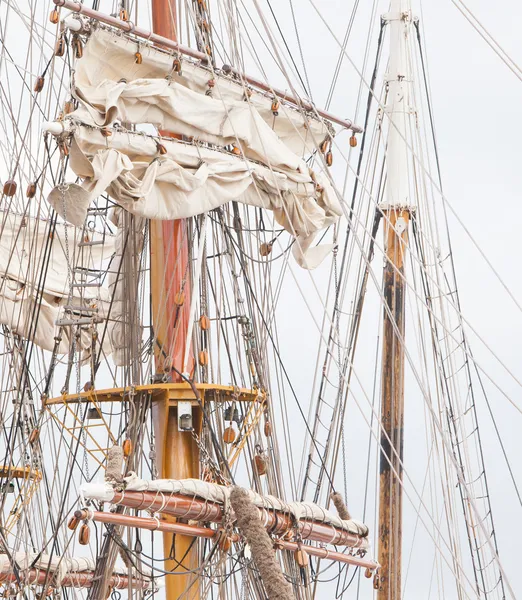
point(397, 212)
point(177, 451)
point(392, 408)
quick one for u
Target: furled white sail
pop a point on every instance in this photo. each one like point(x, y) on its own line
point(187, 179)
point(219, 494)
point(116, 323)
point(169, 105)
point(27, 560)
point(109, 57)
point(36, 262)
point(40, 254)
point(59, 566)
point(190, 180)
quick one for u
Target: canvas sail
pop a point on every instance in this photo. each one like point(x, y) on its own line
point(187, 179)
point(108, 57)
point(35, 283)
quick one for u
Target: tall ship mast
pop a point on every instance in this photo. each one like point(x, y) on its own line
point(229, 312)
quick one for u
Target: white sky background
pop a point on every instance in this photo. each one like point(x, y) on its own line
point(476, 103)
point(475, 100)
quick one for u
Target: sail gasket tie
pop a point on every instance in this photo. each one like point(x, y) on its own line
point(156, 518)
point(122, 497)
point(89, 513)
point(163, 501)
point(334, 537)
point(152, 501)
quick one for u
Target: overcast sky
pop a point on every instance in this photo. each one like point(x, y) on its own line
point(476, 101)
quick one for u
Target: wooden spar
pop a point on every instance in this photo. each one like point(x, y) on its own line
point(164, 39)
point(392, 407)
point(149, 524)
point(349, 559)
point(12, 472)
point(181, 391)
point(399, 110)
point(277, 522)
point(35, 576)
point(177, 451)
point(205, 532)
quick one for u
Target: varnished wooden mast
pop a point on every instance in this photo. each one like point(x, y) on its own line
point(392, 408)
point(177, 453)
point(397, 210)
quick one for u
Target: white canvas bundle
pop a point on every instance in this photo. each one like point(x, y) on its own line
point(38, 255)
point(60, 566)
point(219, 494)
point(35, 263)
point(189, 180)
point(111, 57)
point(171, 106)
point(27, 560)
point(116, 324)
point(30, 315)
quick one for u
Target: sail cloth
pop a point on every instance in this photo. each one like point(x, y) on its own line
point(35, 261)
point(110, 57)
point(171, 106)
point(119, 313)
point(37, 253)
point(33, 315)
point(189, 180)
point(192, 178)
point(214, 492)
point(62, 566)
point(28, 560)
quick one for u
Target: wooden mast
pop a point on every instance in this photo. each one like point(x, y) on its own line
point(392, 408)
point(396, 210)
point(177, 454)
